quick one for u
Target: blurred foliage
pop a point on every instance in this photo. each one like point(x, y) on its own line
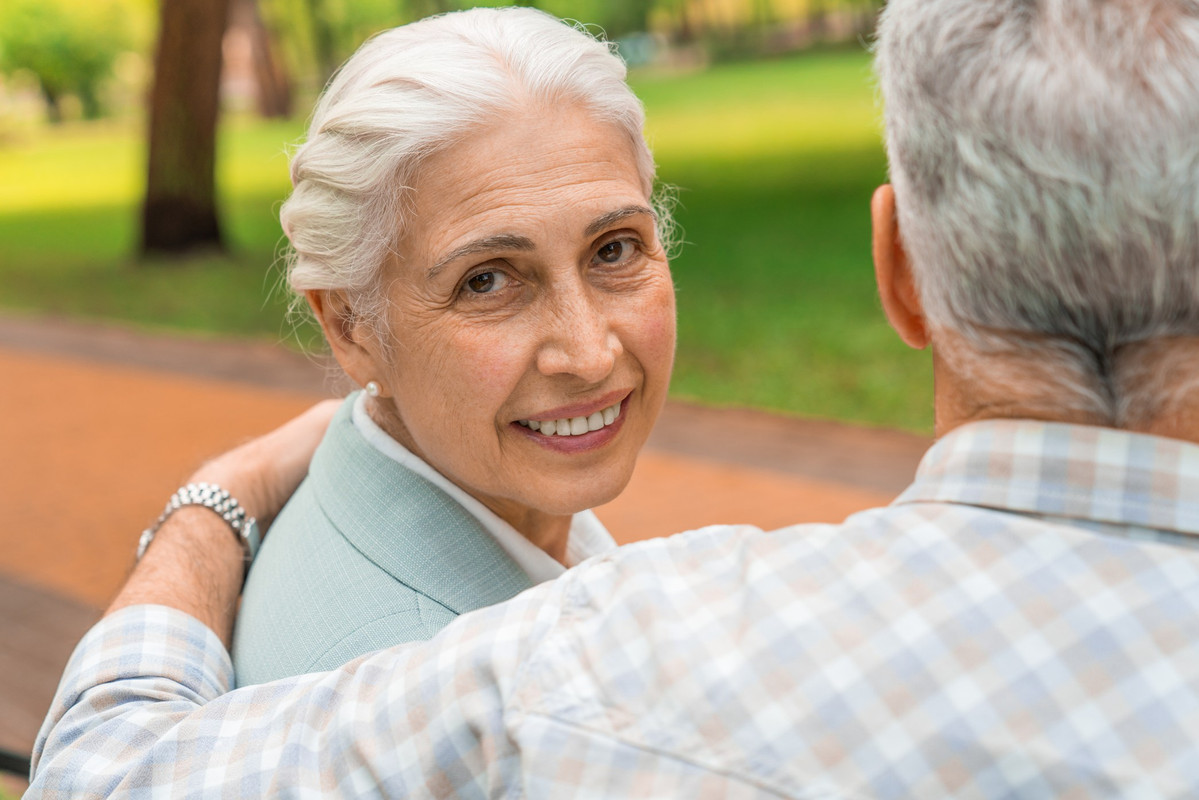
point(323, 33)
point(317, 35)
point(617, 17)
point(320, 34)
point(68, 46)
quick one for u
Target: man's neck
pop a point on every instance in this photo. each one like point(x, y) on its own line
point(1154, 389)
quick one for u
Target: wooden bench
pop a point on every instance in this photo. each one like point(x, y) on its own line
point(39, 632)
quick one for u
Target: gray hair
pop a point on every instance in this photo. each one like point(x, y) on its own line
point(1045, 158)
point(412, 91)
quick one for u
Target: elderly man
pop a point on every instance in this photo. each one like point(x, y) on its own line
point(1022, 622)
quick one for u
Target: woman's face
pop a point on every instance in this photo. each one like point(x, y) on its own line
point(532, 316)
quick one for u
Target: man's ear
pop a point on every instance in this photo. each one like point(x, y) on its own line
point(896, 284)
point(351, 340)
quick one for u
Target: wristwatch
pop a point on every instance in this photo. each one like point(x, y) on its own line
point(219, 500)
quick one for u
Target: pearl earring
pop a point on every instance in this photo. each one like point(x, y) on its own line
point(372, 388)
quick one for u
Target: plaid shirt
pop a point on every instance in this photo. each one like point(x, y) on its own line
point(1022, 622)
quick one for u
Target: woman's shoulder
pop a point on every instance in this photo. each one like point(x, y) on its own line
point(311, 591)
point(365, 555)
point(339, 577)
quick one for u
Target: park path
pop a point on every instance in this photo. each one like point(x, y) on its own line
point(99, 424)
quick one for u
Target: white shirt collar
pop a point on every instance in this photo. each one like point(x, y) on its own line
point(588, 536)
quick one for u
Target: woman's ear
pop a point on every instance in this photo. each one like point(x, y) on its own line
point(352, 341)
point(892, 271)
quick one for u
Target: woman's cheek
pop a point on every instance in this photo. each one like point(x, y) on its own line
point(658, 325)
point(484, 365)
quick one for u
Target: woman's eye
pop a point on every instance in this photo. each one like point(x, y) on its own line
point(614, 252)
point(485, 282)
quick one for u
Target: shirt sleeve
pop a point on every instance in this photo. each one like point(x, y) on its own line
point(144, 708)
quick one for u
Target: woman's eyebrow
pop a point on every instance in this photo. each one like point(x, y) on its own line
point(612, 217)
point(510, 241)
point(488, 244)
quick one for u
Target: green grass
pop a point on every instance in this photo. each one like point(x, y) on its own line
point(775, 162)
point(68, 231)
point(777, 309)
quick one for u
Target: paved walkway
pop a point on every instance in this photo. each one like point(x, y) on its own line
point(98, 425)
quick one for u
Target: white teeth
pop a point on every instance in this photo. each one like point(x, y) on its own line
point(576, 426)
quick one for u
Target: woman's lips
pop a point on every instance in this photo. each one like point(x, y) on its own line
point(609, 421)
point(575, 426)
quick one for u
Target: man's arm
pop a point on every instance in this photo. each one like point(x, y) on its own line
point(195, 562)
point(195, 565)
point(145, 705)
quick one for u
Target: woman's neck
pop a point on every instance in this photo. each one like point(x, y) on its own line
point(550, 532)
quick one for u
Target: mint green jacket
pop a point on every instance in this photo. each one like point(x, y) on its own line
point(366, 554)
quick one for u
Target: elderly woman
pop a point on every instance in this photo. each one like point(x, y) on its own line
point(473, 226)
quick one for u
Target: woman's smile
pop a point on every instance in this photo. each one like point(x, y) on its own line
point(574, 426)
point(578, 434)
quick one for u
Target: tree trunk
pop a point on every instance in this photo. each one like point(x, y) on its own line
point(180, 212)
point(681, 30)
point(89, 98)
point(53, 103)
point(271, 84)
point(818, 20)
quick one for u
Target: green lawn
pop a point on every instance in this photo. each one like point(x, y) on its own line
point(68, 228)
point(775, 162)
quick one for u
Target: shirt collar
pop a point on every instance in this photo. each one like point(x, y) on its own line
point(1076, 472)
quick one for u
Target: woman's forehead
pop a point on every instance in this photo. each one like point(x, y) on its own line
point(559, 168)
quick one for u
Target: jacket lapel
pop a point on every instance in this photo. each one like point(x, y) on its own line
point(407, 526)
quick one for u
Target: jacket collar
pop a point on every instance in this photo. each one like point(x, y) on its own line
point(407, 526)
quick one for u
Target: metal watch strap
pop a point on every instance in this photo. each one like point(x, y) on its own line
point(217, 499)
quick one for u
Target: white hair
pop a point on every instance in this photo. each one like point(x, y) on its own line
point(1045, 158)
point(412, 91)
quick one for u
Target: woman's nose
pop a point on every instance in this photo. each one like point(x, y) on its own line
point(579, 339)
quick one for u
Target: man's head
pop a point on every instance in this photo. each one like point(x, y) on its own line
point(1045, 162)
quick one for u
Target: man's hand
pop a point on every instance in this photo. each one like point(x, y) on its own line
point(195, 562)
point(263, 472)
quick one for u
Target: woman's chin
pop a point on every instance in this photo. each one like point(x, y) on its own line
point(574, 496)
